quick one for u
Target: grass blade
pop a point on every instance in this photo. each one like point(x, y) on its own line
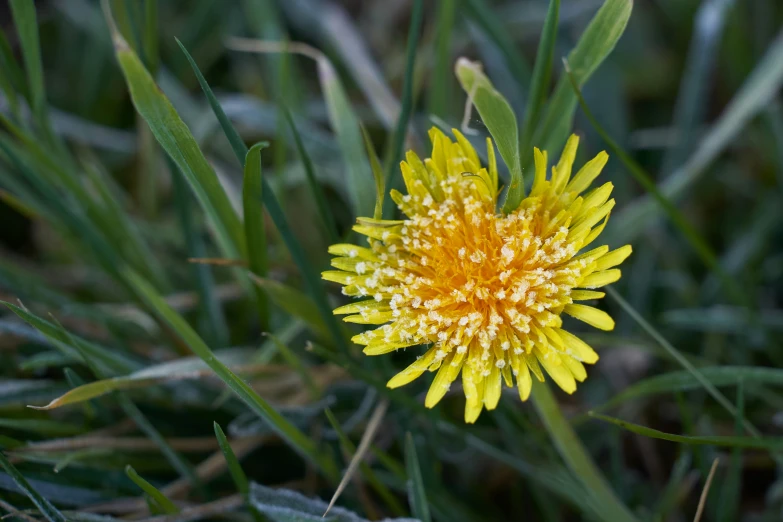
point(298, 440)
point(377, 172)
point(255, 231)
point(708, 386)
point(406, 108)
point(417, 496)
point(177, 140)
point(595, 44)
point(158, 498)
point(542, 71)
point(318, 195)
point(150, 37)
point(756, 94)
point(234, 468)
point(311, 277)
point(576, 457)
point(11, 81)
point(440, 88)
point(732, 487)
point(26, 23)
point(695, 240)
point(293, 302)
point(501, 122)
point(44, 506)
point(764, 443)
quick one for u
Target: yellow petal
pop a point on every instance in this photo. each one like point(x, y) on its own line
point(595, 232)
point(587, 173)
point(591, 218)
point(592, 316)
point(492, 388)
point(449, 371)
point(524, 382)
point(381, 347)
point(599, 279)
point(540, 177)
point(614, 258)
point(348, 250)
point(373, 317)
point(576, 368)
point(562, 172)
point(338, 276)
point(414, 370)
point(558, 371)
point(472, 412)
point(585, 295)
point(467, 149)
point(597, 197)
point(578, 348)
point(359, 306)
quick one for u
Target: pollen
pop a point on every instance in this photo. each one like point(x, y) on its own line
point(483, 291)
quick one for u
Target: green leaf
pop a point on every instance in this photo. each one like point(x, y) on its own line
point(238, 359)
point(53, 428)
point(677, 355)
point(293, 302)
point(157, 497)
point(417, 496)
point(27, 27)
point(541, 75)
point(107, 358)
point(315, 188)
point(576, 457)
point(255, 231)
point(684, 381)
point(298, 440)
point(12, 80)
point(150, 37)
point(765, 443)
point(311, 277)
point(595, 44)
point(237, 474)
point(755, 95)
point(441, 86)
point(178, 142)
point(44, 506)
point(732, 486)
point(696, 241)
point(499, 118)
point(377, 173)
point(346, 125)
point(406, 108)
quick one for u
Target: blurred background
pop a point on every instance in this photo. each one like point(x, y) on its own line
point(691, 93)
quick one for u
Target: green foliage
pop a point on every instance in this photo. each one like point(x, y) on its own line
point(125, 152)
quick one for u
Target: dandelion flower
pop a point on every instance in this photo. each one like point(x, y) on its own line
point(484, 291)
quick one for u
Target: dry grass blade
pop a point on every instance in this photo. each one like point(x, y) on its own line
point(364, 444)
point(13, 512)
point(706, 490)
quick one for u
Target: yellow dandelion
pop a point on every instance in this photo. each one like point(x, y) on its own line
point(484, 290)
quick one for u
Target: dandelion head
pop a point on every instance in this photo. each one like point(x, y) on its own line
point(484, 290)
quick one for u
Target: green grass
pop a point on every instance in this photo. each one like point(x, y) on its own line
point(133, 137)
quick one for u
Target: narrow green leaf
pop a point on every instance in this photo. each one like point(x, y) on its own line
point(315, 188)
point(298, 440)
point(757, 92)
point(698, 243)
point(541, 75)
point(177, 140)
point(255, 231)
point(595, 44)
point(240, 479)
point(575, 455)
point(684, 381)
point(440, 80)
point(52, 428)
point(732, 486)
point(293, 302)
point(12, 80)
point(26, 24)
point(673, 492)
point(44, 506)
point(499, 118)
point(238, 359)
point(417, 496)
point(311, 277)
point(150, 38)
point(677, 355)
point(157, 497)
point(377, 173)
point(406, 108)
point(765, 443)
point(106, 357)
